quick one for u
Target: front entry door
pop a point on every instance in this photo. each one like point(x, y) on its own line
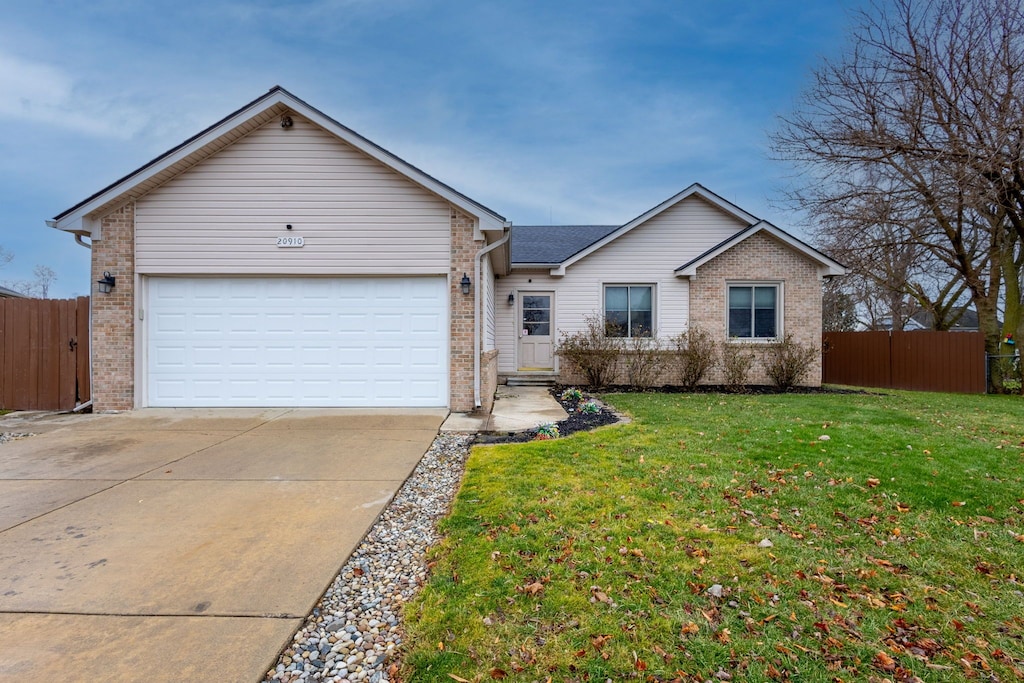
point(536, 331)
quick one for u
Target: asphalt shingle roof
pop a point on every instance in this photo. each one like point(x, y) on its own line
point(552, 244)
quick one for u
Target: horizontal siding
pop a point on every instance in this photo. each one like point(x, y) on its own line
point(488, 283)
point(355, 215)
point(648, 254)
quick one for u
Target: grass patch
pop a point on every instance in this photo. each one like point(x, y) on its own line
point(642, 551)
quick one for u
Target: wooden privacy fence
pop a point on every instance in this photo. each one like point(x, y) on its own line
point(44, 353)
point(920, 360)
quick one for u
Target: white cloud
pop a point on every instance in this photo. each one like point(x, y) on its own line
point(44, 94)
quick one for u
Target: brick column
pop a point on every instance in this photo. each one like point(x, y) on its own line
point(462, 313)
point(113, 315)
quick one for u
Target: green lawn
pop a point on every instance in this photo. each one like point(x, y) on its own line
point(642, 551)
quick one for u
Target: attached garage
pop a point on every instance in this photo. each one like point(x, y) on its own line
point(287, 341)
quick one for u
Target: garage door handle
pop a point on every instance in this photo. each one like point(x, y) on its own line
point(72, 343)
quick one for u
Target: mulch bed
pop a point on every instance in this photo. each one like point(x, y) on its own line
point(579, 422)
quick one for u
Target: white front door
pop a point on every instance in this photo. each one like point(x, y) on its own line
point(291, 341)
point(536, 331)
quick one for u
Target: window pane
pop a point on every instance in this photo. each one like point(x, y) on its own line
point(537, 315)
point(536, 302)
point(616, 298)
point(640, 299)
point(739, 322)
point(764, 322)
point(739, 297)
point(640, 323)
point(615, 323)
point(533, 329)
point(764, 297)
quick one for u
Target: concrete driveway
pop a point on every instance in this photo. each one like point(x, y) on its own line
point(185, 544)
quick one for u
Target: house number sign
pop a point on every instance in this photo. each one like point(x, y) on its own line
point(290, 241)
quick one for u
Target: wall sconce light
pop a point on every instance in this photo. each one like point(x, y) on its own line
point(286, 122)
point(511, 298)
point(465, 282)
point(107, 283)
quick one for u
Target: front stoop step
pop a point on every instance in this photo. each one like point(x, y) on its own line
point(531, 381)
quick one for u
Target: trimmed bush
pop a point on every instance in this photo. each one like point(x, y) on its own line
point(590, 352)
point(697, 356)
point(787, 362)
point(737, 362)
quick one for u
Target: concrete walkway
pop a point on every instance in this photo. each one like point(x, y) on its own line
point(516, 409)
point(171, 545)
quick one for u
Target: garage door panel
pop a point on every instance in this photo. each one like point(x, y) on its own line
point(289, 341)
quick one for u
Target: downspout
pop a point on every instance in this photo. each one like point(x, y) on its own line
point(78, 239)
point(478, 304)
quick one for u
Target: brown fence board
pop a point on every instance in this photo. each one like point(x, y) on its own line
point(920, 360)
point(82, 346)
point(40, 369)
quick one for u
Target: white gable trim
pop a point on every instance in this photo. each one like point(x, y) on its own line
point(828, 266)
point(693, 190)
point(76, 218)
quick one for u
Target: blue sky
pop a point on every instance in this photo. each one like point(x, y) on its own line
point(547, 112)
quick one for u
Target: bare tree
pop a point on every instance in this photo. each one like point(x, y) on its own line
point(45, 276)
point(918, 128)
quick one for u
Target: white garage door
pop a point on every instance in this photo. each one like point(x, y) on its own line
point(244, 342)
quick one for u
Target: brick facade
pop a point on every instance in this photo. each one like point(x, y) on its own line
point(462, 311)
point(113, 315)
point(760, 258)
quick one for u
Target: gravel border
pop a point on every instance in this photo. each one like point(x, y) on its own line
point(354, 633)
point(14, 436)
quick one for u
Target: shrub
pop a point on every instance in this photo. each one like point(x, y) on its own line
point(787, 362)
point(547, 431)
point(644, 361)
point(589, 408)
point(736, 365)
point(572, 394)
point(590, 352)
point(696, 352)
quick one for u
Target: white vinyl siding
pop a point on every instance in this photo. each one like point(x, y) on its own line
point(356, 216)
point(488, 283)
point(648, 254)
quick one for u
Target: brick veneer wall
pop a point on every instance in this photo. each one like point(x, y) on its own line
point(760, 257)
point(757, 258)
point(113, 315)
point(464, 249)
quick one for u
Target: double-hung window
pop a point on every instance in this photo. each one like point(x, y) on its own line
point(629, 310)
point(754, 311)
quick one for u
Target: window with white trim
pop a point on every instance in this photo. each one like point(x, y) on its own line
point(628, 310)
point(754, 311)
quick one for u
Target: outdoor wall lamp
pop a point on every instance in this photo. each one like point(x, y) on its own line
point(465, 282)
point(107, 283)
point(511, 298)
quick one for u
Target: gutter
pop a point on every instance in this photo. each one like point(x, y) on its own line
point(478, 310)
point(78, 235)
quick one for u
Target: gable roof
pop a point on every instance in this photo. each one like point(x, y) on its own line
point(830, 266)
point(696, 189)
point(274, 104)
point(549, 245)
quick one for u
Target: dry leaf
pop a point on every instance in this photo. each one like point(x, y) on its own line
point(689, 629)
point(600, 641)
point(534, 588)
point(498, 674)
point(884, 662)
point(460, 679)
point(872, 482)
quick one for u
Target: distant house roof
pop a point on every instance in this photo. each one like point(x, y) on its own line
point(11, 294)
point(551, 244)
point(968, 320)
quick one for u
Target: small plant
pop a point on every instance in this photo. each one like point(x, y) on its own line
point(697, 355)
point(547, 431)
point(572, 394)
point(590, 352)
point(736, 365)
point(644, 361)
point(589, 408)
point(787, 362)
